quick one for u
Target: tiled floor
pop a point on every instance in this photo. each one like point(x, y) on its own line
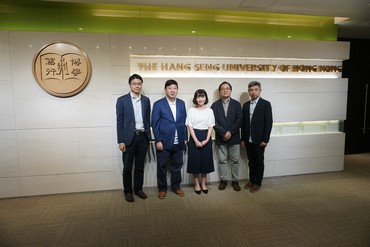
point(327, 209)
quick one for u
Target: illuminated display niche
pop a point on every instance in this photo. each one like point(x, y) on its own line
point(307, 127)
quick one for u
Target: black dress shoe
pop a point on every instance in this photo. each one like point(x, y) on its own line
point(129, 197)
point(205, 191)
point(141, 194)
point(197, 191)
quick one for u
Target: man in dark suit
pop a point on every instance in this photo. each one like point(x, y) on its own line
point(133, 135)
point(170, 133)
point(228, 116)
point(256, 130)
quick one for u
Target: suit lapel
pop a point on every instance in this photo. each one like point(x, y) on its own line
point(258, 105)
point(131, 108)
point(249, 110)
point(178, 109)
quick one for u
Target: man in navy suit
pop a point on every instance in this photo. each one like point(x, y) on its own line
point(170, 133)
point(256, 130)
point(133, 135)
point(228, 115)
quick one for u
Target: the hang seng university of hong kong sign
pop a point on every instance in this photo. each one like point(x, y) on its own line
point(233, 67)
point(62, 69)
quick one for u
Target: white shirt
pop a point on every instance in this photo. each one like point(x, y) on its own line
point(136, 103)
point(173, 110)
point(200, 119)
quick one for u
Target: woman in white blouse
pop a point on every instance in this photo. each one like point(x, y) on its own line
point(200, 121)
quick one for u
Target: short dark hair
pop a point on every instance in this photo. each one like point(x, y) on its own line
point(170, 82)
point(134, 76)
point(200, 93)
point(254, 83)
point(225, 82)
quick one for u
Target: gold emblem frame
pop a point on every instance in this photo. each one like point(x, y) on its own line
point(62, 69)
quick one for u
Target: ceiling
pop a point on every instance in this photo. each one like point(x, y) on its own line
point(358, 11)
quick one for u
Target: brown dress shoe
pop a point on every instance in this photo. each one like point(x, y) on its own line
point(179, 192)
point(248, 185)
point(161, 194)
point(255, 188)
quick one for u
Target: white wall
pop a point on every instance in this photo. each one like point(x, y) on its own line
point(56, 145)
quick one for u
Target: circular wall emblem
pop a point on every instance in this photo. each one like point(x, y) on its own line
point(61, 69)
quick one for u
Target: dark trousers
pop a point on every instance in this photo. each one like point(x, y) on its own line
point(256, 163)
point(135, 152)
point(174, 157)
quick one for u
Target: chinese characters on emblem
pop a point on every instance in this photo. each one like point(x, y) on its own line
point(60, 67)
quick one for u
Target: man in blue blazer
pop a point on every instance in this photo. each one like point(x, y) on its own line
point(170, 134)
point(133, 135)
point(228, 115)
point(256, 130)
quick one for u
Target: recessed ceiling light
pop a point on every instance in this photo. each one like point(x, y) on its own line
point(338, 20)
